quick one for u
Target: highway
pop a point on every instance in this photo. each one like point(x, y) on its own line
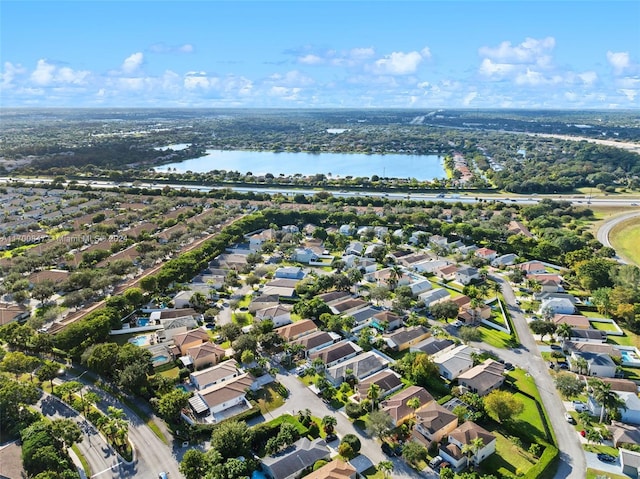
point(583, 200)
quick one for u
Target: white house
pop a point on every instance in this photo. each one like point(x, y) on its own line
point(289, 272)
point(222, 396)
point(504, 260)
point(279, 314)
point(420, 286)
point(454, 362)
point(304, 255)
point(557, 306)
point(464, 435)
point(598, 364)
point(434, 296)
point(346, 230)
point(466, 274)
point(355, 247)
point(630, 415)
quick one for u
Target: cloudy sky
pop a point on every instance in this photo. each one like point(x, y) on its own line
point(321, 54)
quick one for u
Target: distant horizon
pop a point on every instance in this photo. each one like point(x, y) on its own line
point(321, 54)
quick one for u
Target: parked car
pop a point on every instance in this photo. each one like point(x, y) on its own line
point(509, 366)
point(330, 437)
point(606, 457)
point(163, 475)
point(579, 406)
point(387, 449)
point(556, 347)
point(457, 323)
point(569, 418)
point(435, 462)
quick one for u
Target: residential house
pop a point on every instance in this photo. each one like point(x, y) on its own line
point(387, 276)
point(219, 373)
point(434, 296)
point(204, 354)
point(263, 301)
point(557, 306)
point(290, 229)
point(433, 422)
point(437, 240)
point(182, 299)
point(292, 463)
point(289, 272)
point(531, 267)
point(504, 260)
point(588, 335)
point(364, 317)
point(296, 330)
point(420, 286)
point(592, 348)
point(483, 378)
point(336, 353)
point(257, 240)
point(346, 230)
point(576, 321)
point(10, 312)
point(454, 362)
point(404, 338)
point(622, 433)
point(279, 315)
point(387, 380)
point(410, 259)
point(315, 341)
point(447, 273)
point(218, 399)
point(370, 250)
point(189, 339)
point(550, 286)
point(285, 288)
point(336, 469)
point(518, 228)
point(355, 248)
point(464, 435)
point(432, 346)
point(334, 297)
point(466, 274)
point(598, 364)
point(359, 366)
point(429, 266)
point(348, 305)
point(630, 462)
point(397, 405)
point(386, 321)
point(304, 255)
point(486, 254)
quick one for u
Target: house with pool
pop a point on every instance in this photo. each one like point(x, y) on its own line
point(221, 400)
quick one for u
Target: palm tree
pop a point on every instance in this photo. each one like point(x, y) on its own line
point(564, 331)
point(606, 398)
point(386, 467)
point(329, 423)
point(581, 365)
point(496, 288)
point(471, 449)
point(373, 394)
point(593, 435)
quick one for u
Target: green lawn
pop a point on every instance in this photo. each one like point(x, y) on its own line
point(172, 373)
point(508, 458)
point(530, 422)
point(372, 473)
point(495, 338)
point(599, 325)
point(269, 399)
point(624, 238)
point(595, 474)
point(599, 448)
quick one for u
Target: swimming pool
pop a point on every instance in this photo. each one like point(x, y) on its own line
point(160, 358)
point(142, 340)
point(143, 321)
point(258, 475)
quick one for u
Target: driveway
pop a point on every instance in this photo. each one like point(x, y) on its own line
point(594, 463)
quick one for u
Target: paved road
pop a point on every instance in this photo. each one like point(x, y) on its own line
point(605, 229)
point(572, 458)
point(300, 398)
point(151, 454)
point(98, 454)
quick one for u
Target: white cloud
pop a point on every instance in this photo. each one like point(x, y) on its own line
point(10, 72)
point(618, 60)
point(588, 78)
point(311, 59)
point(630, 94)
point(491, 69)
point(466, 101)
point(132, 63)
point(47, 74)
point(43, 74)
point(528, 52)
point(293, 78)
point(398, 63)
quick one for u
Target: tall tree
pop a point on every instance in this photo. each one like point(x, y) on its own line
point(503, 405)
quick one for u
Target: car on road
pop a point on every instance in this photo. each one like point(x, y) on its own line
point(569, 418)
point(391, 450)
point(634, 204)
point(457, 323)
point(163, 475)
point(606, 457)
point(556, 347)
point(509, 366)
point(330, 437)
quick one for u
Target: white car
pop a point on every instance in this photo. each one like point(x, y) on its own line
point(569, 418)
point(457, 323)
point(579, 406)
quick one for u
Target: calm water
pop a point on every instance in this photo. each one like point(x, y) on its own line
point(423, 167)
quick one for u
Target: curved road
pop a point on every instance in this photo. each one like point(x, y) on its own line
point(605, 229)
point(572, 458)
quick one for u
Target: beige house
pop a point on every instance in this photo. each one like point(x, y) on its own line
point(296, 330)
point(205, 354)
point(483, 378)
point(336, 469)
point(195, 337)
point(397, 405)
point(433, 422)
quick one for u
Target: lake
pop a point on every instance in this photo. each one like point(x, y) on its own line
point(420, 167)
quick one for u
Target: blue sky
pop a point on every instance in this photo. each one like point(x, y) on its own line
point(321, 54)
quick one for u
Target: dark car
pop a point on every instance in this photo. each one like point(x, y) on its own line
point(563, 365)
point(330, 438)
point(509, 366)
point(387, 449)
point(606, 457)
point(556, 346)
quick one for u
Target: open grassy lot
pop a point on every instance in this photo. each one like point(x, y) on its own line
point(508, 458)
point(595, 474)
point(603, 326)
point(268, 398)
point(625, 239)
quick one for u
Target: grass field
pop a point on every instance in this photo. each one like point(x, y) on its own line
point(625, 238)
point(594, 474)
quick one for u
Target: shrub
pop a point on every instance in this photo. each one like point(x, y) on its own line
point(353, 441)
point(353, 410)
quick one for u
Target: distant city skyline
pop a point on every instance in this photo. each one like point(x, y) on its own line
point(321, 54)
